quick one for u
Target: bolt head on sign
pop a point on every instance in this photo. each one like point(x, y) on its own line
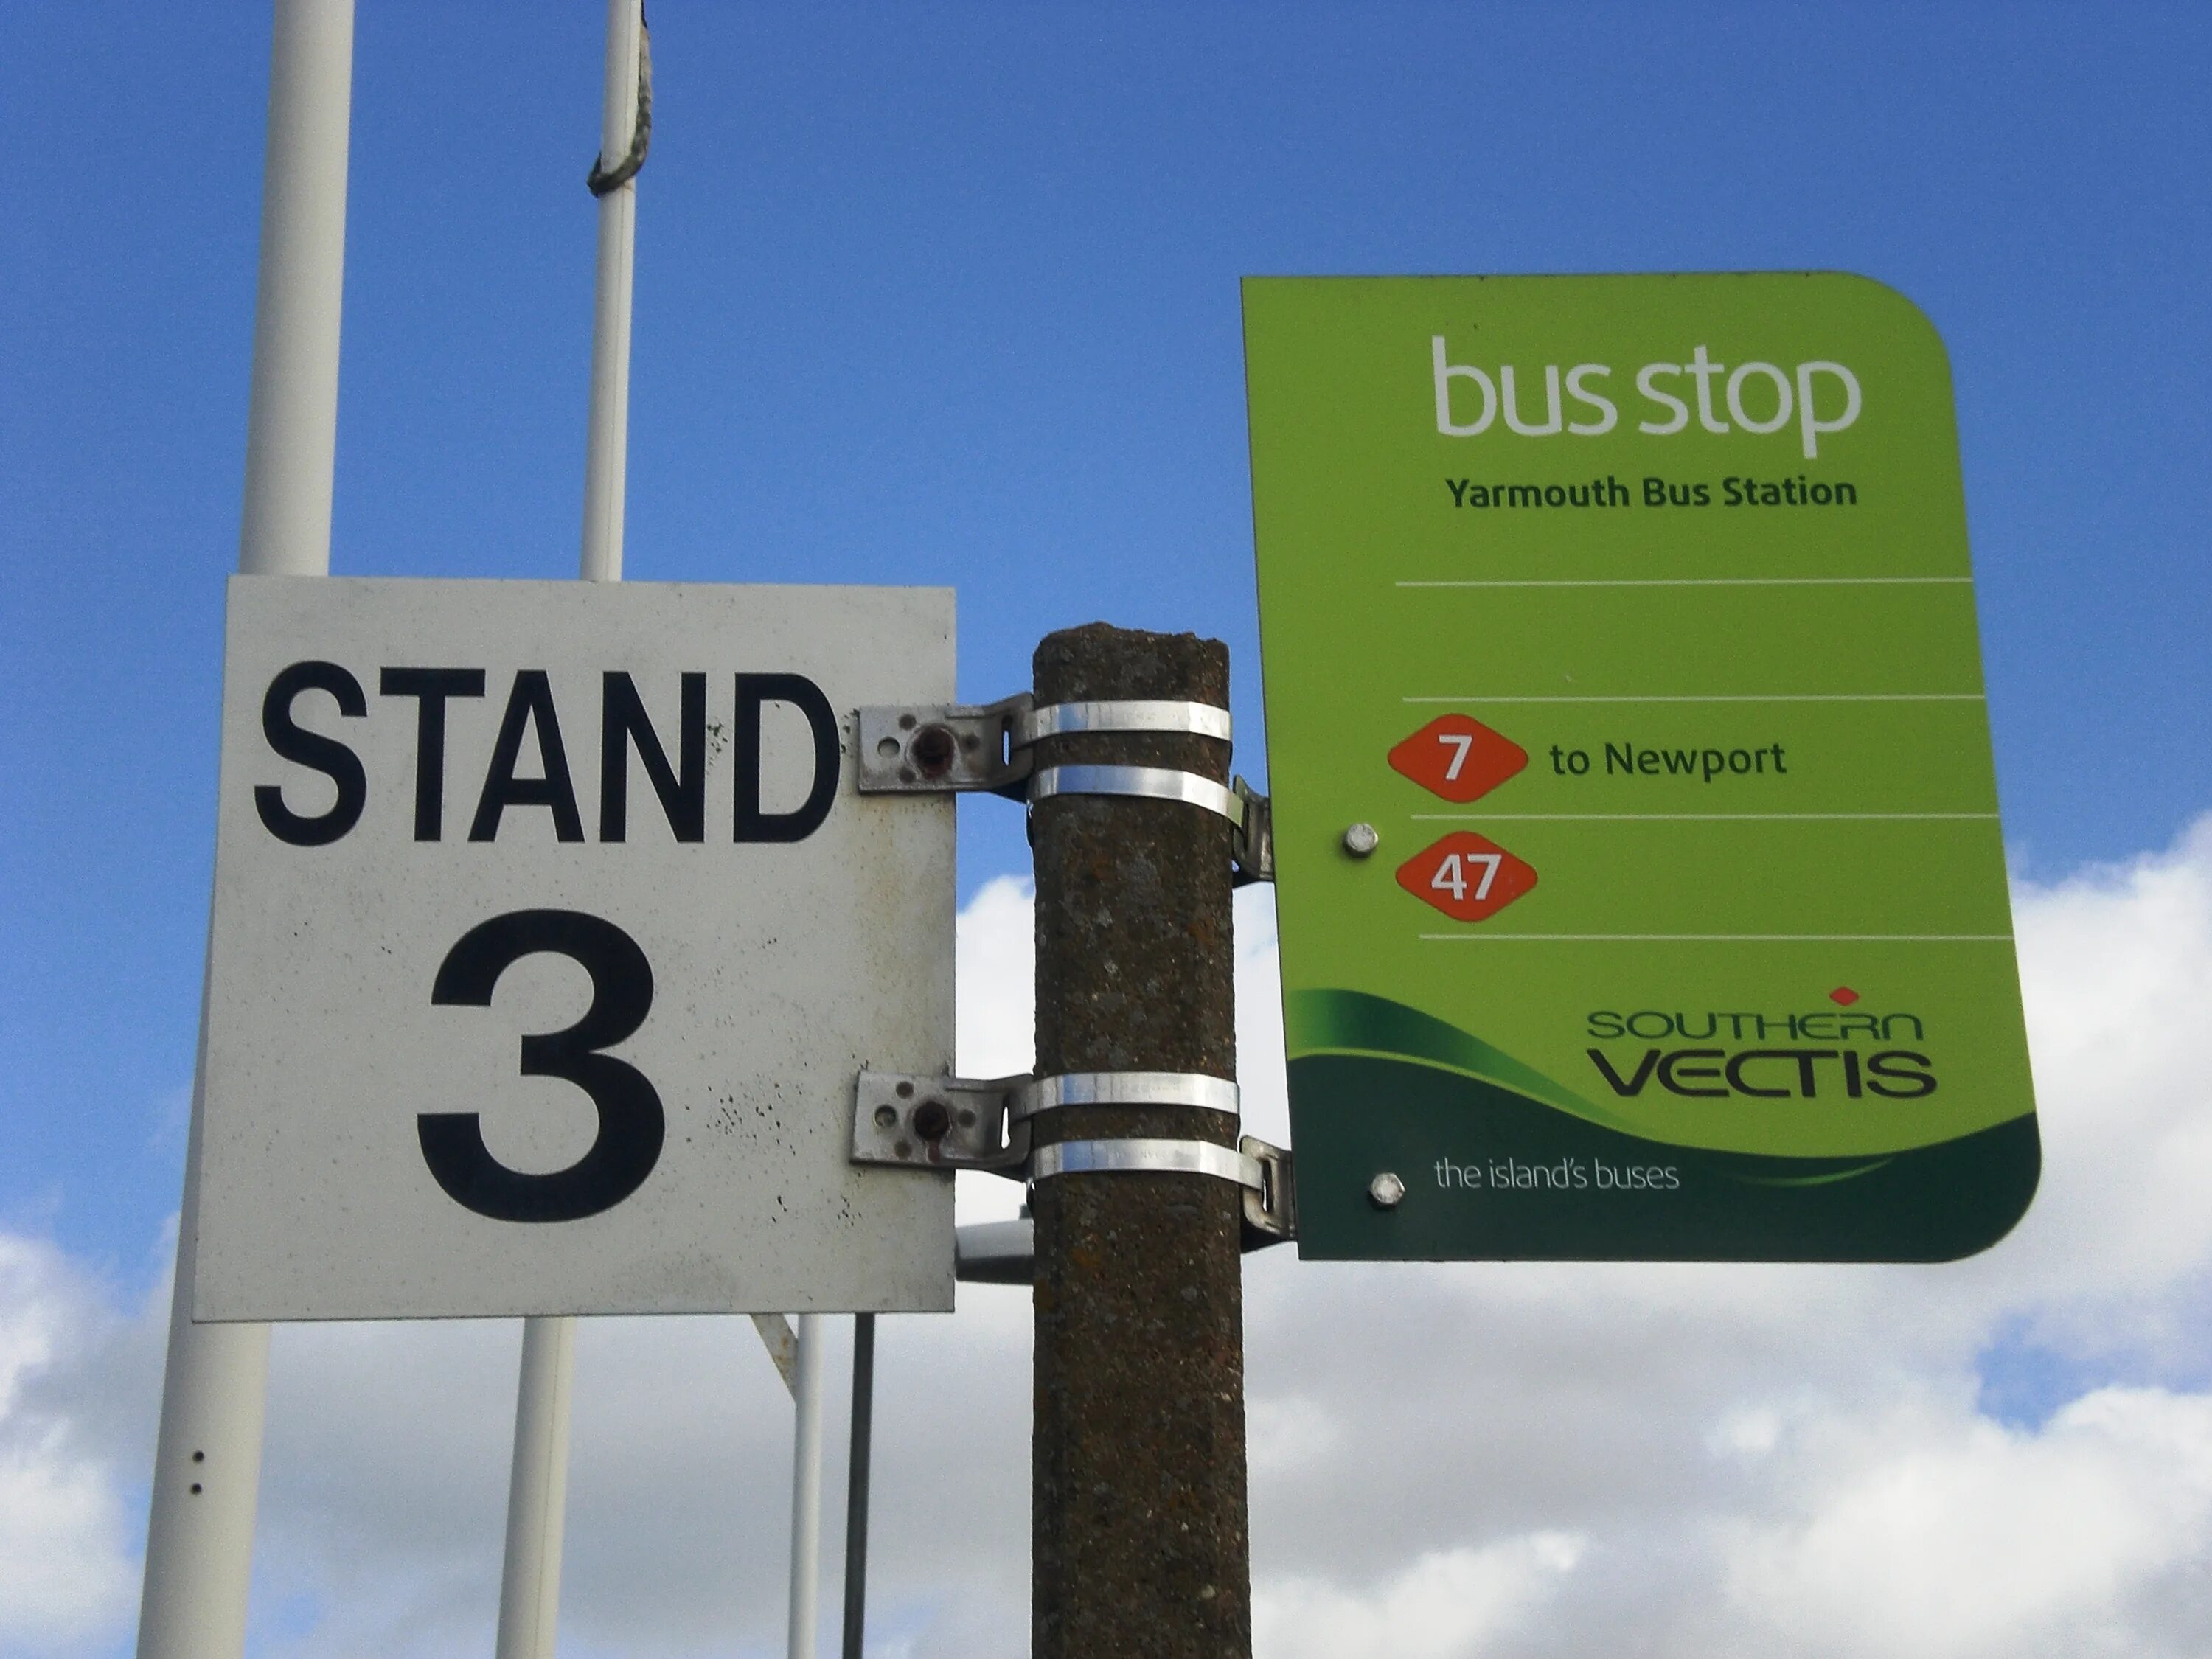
point(1468, 877)
point(1458, 757)
point(550, 935)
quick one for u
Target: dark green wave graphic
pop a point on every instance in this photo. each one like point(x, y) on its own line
point(1492, 1172)
point(1357, 1023)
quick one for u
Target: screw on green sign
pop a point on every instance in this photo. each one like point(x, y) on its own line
point(1633, 616)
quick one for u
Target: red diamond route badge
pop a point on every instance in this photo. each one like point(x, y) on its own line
point(1468, 877)
point(1457, 756)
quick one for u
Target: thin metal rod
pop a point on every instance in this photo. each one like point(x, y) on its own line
point(856, 1483)
point(529, 1588)
point(806, 1490)
point(606, 447)
point(207, 1462)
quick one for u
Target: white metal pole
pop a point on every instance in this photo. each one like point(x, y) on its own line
point(529, 1588)
point(806, 1490)
point(607, 449)
point(207, 1461)
point(292, 416)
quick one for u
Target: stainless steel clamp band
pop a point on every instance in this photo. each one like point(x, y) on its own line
point(1214, 1094)
point(1270, 1205)
point(946, 1123)
point(1152, 783)
point(1251, 818)
point(1060, 719)
point(1153, 1156)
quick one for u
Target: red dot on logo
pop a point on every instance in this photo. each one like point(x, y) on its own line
point(1844, 996)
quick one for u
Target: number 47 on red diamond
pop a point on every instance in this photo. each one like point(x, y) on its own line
point(1468, 877)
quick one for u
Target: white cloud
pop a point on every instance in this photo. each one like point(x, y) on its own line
point(2116, 967)
point(66, 1575)
point(995, 993)
point(1518, 1460)
point(1447, 1603)
point(995, 979)
point(1955, 1537)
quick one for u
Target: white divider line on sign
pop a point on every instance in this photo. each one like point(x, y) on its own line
point(1708, 581)
point(1738, 938)
point(1754, 696)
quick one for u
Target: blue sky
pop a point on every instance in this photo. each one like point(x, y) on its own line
point(947, 294)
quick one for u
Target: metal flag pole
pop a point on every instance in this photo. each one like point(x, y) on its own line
point(207, 1462)
point(807, 1489)
point(530, 1584)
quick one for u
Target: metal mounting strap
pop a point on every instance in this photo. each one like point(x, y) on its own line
point(1214, 1094)
point(1060, 719)
point(1252, 846)
point(946, 1123)
point(939, 1122)
point(1265, 1172)
point(1250, 814)
point(929, 749)
point(932, 748)
point(1146, 1157)
point(1152, 783)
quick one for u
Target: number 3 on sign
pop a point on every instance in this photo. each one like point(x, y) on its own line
point(1451, 878)
point(632, 1124)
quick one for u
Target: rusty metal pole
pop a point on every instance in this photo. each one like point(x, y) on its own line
point(1140, 1542)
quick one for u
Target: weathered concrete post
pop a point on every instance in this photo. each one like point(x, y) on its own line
point(1139, 1540)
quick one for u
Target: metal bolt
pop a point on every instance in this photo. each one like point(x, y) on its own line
point(932, 750)
point(931, 1120)
point(1361, 839)
point(1386, 1191)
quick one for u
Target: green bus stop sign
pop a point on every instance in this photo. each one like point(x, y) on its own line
point(1639, 878)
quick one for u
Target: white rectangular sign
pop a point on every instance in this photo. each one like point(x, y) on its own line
point(550, 936)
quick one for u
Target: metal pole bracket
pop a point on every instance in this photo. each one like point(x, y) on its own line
point(913, 1122)
point(932, 748)
point(1271, 1209)
point(1252, 847)
point(940, 1123)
